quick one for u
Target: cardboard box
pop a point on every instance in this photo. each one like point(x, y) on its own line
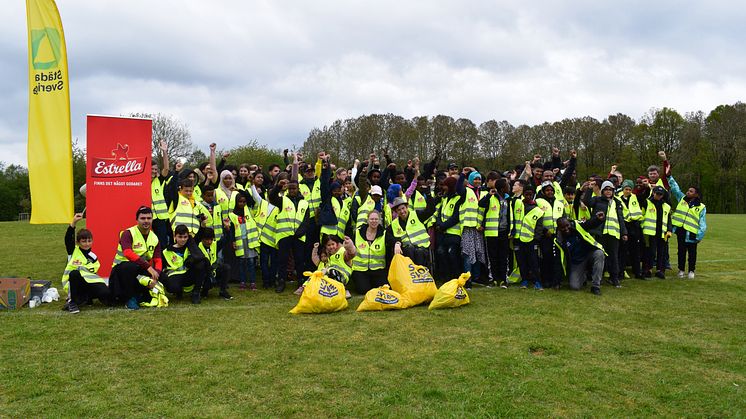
point(38, 286)
point(14, 292)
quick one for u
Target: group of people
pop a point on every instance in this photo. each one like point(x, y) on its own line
point(537, 225)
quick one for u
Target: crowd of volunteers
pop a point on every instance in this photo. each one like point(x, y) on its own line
point(535, 226)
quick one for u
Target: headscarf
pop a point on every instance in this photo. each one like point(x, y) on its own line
point(224, 188)
point(472, 176)
point(393, 192)
point(450, 182)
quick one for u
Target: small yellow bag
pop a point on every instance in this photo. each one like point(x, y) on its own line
point(452, 293)
point(382, 298)
point(321, 295)
point(413, 282)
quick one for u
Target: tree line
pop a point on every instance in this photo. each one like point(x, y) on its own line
point(704, 150)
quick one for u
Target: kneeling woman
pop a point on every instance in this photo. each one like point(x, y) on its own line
point(81, 270)
point(334, 256)
point(369, 265)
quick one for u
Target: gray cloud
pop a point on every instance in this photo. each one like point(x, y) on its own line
point(234, 71)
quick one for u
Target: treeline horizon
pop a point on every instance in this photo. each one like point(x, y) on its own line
point(705, 150)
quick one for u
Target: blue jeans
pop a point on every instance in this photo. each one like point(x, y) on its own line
point(268, 263)
point(246, 268)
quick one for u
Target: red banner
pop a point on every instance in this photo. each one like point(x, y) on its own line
point(117, 179)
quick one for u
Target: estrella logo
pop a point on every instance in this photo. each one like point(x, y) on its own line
point(386, 298)
point(137, 245)
point(419, 274)
point(460, 294)
point(327, 290)
point(46, 48)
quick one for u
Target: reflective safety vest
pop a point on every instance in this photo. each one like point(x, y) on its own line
point(290, 218)
point(246, 233)
point(552, 212)
point(687, 217)
point(337, 261)
point(518, 208)
point(268, 232)
point(342, 211)
point(414, 233)
point(492, 217)
point(216, 219)
point(226, 203)
point(367, 207)
point(585, 236)
point(211, 253)
point(469, 210)
point(141, 246)
point(87, 269)
point(528, 224)
point(370, 256)
point(197, 193)
point(648, 223)
point(632, 210)
point(176, 265)
point(160, 210)
point(183, 212)
point(305, 191)
point(447, 206)
point(315, 200)
point(418, 202)
point(611, 223)
point(157, 294)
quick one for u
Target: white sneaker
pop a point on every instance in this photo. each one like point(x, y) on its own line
point(347, 294)
point(691, 275)
point(681, 274)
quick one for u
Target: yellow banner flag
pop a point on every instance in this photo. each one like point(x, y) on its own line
point(49, 136)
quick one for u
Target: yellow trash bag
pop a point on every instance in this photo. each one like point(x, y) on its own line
point(452, 293)
point(321, 295)
point(413, 282)
point(382, 298)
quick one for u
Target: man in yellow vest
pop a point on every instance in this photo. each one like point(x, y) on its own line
point(407, 234)
point(656, 230)
point(137, 263)
point(689, 224)
point(580, 251)
point(496, 224)
point(80, 274)
point(531, 232)
point(290, 231)
point(612, 230)
point(630, 251)
point(448, 225)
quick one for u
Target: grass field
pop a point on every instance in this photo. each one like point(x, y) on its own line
point(652, 348)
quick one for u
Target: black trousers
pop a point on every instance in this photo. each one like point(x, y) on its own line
point(685, 248)
point(419, 255)
point(194, 276)
point(449, 256)
point(81, 292)
point(551, 267)
point(286, 247)
point(162, 230)
point(123, 282)
point(498, 254)
point(630, 252)
point(215, 275)
point(611, 264)
point(367, 280)
point(528, 261)
point(654, 250)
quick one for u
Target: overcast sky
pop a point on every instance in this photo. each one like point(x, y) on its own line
point(273, 70)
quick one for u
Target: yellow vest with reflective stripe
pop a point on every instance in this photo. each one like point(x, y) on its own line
point(528, 224)
point(267, 234)
point(648, 223)
point(184, 213)
point(175, 262)
point(414, 233)
point(469, 210)
point(160, 210)
point(446, 210)
point(552, 213)
point(210, 253)
point(337, 261)
point(370, 256)
point(687, 217)
point(87, 269)
point(342, 212)
point(631, 211)
point(518, 214)
point(315, 201)
point(226, 203)
point(611, 223)
point(290, 218)
point(365, 208)
point(492, 217)
point(141, 246)
point(585, 236)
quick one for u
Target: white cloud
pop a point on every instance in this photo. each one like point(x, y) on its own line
point(234, 71)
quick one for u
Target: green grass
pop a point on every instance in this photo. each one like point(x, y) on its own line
point(656, 348)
